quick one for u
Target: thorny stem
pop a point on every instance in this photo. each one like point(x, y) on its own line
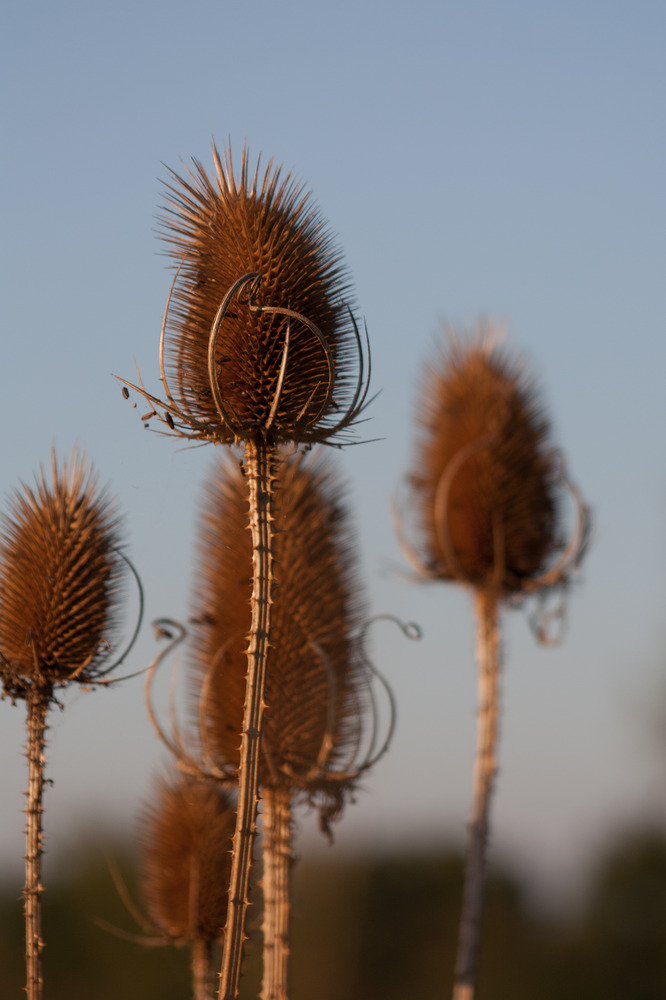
point(260, 470)
point(276, 829)
point(37, 700)
point(484, 774)
point(202, 971)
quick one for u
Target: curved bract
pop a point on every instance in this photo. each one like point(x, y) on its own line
point(486, 484)
point(61, 580)
point(259, 341)
point(315, 689)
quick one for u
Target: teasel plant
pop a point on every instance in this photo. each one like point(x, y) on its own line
point(259, 347)
point(62, 570)
point(486, 494)
point(185, 837)
point(322, 725)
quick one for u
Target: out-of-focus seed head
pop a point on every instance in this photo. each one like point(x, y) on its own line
point(61, 580)
point(484, 487)
point(186, 858)
point(314, 694)
point(276, 376)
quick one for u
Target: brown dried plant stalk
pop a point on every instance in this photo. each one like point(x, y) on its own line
point(60, 587)
point(486, 495)
point(261, 348)
point(316, 689)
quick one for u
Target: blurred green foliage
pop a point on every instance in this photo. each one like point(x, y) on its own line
point(367, 929)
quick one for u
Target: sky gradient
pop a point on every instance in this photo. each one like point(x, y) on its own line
point(504, 161)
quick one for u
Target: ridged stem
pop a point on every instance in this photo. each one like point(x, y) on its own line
point(202, 970)
point(276, 839)
point(484, 774)
point(37, 701)
point(260, 471)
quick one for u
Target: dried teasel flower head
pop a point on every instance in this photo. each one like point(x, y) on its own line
point(61, 580)
point(486, 483)
point(259, 340)
point(316, 687)
point(185, 851)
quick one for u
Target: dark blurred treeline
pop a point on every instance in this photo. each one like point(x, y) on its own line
point(381, 929)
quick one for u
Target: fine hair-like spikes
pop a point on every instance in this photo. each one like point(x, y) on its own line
point(60, 579)
point(285, 358)
point(314, 691)
point(484, 480)
point(186, 858)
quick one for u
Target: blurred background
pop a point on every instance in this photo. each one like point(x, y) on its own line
point(504, 161)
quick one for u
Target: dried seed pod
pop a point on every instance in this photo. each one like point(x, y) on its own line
point(313, 689)
point(283, 363)
point(485, 479)
point(60, 580)
point(186, 859)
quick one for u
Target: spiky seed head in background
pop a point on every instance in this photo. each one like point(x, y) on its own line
point(219, 230)
point(61, 579)
point(186, 840)
point(484, 482)
point(314, 692)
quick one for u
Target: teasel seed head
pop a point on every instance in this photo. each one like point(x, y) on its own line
point(186, 858)
point(61, 580)
point(259, 338)
point(315, 694)
point(486, 483)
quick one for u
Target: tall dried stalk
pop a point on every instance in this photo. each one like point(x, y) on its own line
point(315, 690)
point(485, 489)
point(262, 348)
point(60, 585)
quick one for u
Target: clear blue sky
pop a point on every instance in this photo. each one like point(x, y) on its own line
point(475, 159)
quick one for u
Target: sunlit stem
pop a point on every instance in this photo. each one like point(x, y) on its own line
point(484, 774)
point(276, 830)
point(202, 969)
point(37, 701)
point(260, 470)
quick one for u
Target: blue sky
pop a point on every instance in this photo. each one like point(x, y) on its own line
point(474, 159)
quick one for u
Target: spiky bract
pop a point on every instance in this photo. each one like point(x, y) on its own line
point(314, 694)
point(186, 858)
point(484, 480)
point(60, 579)
point(218, 230)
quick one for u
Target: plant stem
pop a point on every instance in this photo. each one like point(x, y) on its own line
point(276, 830)
point(202, 972)
point(260, 470)
point(484, 774)
point(37, 701)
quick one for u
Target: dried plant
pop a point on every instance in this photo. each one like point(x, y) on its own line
point(486, 494)
point(262, 348)
point(186, 860)
point(317, 684)
point(61, 581)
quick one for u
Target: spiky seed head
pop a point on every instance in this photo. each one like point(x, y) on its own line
point(60, 579)
point(220, 229)
point(313, 687)
point(483, 484)
point(186, 838)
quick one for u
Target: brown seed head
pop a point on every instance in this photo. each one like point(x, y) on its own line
point(186, 858)
point(484, 481)
point(277, 377)
point(313, 691)
point(60, 580)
